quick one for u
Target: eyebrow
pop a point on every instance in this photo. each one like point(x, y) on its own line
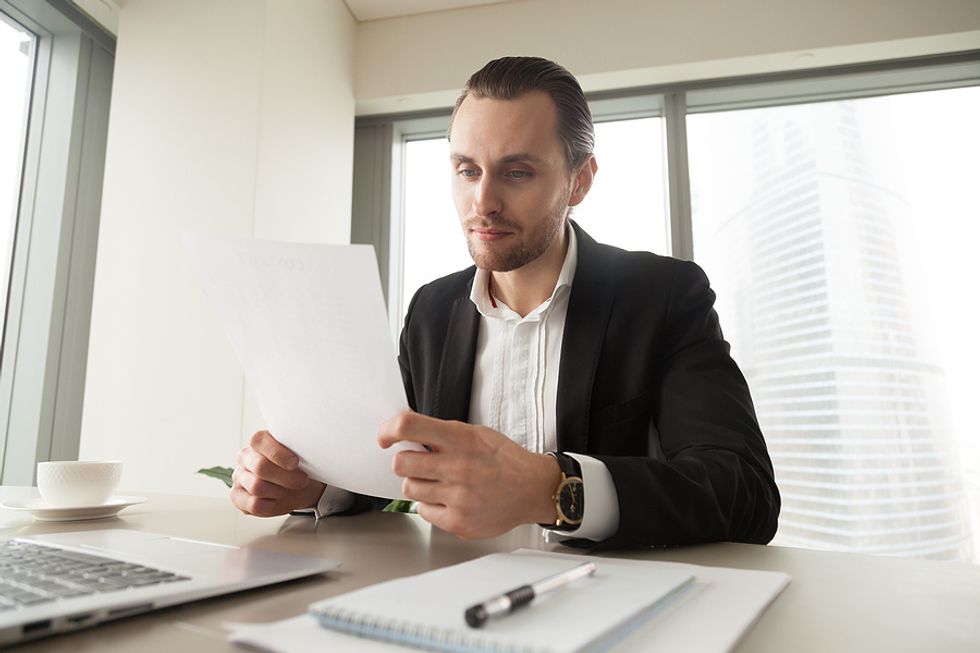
point(517, 157)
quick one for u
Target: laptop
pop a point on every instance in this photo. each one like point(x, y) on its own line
point(61, 582)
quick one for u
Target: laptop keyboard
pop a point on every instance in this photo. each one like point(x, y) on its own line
point(31, 574)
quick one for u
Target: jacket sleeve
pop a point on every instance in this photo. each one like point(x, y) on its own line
point(716, 481)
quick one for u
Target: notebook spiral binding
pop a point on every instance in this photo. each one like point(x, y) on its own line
point(413, 634)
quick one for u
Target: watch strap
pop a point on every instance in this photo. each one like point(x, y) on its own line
point(567, 464)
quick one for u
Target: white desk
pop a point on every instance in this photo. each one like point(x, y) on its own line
point(836, 602)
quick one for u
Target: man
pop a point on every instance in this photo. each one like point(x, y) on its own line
point(600, 397)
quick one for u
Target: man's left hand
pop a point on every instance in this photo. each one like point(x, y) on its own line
point(473, 481)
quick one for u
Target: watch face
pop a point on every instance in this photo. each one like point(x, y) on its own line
point(570, 501)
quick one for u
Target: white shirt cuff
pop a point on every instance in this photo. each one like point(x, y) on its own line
point(601, 517)
point(333, 500)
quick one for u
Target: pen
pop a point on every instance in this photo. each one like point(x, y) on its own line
point(507, 602)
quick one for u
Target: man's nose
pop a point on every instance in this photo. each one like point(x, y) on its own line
point(486, 198)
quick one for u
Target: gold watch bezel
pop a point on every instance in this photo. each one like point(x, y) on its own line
point(562, 517)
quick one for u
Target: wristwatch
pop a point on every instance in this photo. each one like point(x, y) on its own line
point(569, 497)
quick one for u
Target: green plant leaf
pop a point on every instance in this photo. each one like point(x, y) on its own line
point(221, 473)
point(401, 505)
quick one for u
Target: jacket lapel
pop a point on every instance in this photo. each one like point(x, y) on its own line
point(589, 307)
point(452, 393)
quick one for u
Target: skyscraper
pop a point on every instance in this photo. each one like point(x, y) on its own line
point(852, 404)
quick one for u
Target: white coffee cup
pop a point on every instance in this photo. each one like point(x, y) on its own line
point(77, 483)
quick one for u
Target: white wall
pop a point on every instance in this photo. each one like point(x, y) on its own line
point(231, 116)
point(236, 116)
point(420, 62)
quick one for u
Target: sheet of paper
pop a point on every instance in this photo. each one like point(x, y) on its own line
point(309, 326)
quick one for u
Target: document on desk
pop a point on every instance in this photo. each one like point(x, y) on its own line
point(309, 326)
point(588, 616)
point(628, 606)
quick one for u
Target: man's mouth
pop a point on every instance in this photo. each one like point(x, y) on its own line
point(489, 235)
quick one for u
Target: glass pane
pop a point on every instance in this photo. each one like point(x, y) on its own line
point(16, 64)
point(626, 206)
point(434, 242)
point(841, 239)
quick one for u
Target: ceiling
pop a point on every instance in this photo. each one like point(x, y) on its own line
point(364, 10)
point(106, 12)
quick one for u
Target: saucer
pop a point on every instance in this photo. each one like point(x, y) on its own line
point(43, 512)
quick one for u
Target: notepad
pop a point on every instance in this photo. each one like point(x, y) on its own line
point(587, 616)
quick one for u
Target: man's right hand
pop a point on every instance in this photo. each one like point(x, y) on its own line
point(267, 482)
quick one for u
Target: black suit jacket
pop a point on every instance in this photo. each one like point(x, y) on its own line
point(646, 385)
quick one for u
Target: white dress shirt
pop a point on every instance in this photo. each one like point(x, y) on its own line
point(515, 391)
point(515, 385)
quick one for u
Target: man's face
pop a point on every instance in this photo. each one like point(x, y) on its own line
point(511, 181)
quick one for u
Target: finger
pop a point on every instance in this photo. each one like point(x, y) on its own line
point(240, 458)
point(259, 488)
point(438, 515)
point(432, 492)
point(268, 446)
point(267, 470)
point(432, 432)
point(250, 505)
point(418, 464)
point(447, 519)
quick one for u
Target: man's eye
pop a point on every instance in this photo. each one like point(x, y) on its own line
point(519, 174)
point(468, 173)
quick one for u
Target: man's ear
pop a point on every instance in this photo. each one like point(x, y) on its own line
point(583, 181)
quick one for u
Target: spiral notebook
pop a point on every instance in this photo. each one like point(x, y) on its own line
point(587, 616)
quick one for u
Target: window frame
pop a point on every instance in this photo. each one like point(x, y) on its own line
point(379, 164)
point(45, 340)
point(378, 198)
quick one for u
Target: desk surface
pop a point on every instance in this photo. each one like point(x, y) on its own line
point(835, 602)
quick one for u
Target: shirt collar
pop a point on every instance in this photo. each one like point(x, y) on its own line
point(480, 296)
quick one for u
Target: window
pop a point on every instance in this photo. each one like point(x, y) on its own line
point(16, 66)
point(840, 237)
point(837, 216)
point(434, 242)
point(626, 206)
point(49, 218)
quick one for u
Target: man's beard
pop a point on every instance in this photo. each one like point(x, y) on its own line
point(529, 246)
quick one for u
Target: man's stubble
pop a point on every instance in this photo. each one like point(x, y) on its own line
point(528, 249)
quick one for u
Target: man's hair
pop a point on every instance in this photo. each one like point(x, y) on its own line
point(509, 77)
